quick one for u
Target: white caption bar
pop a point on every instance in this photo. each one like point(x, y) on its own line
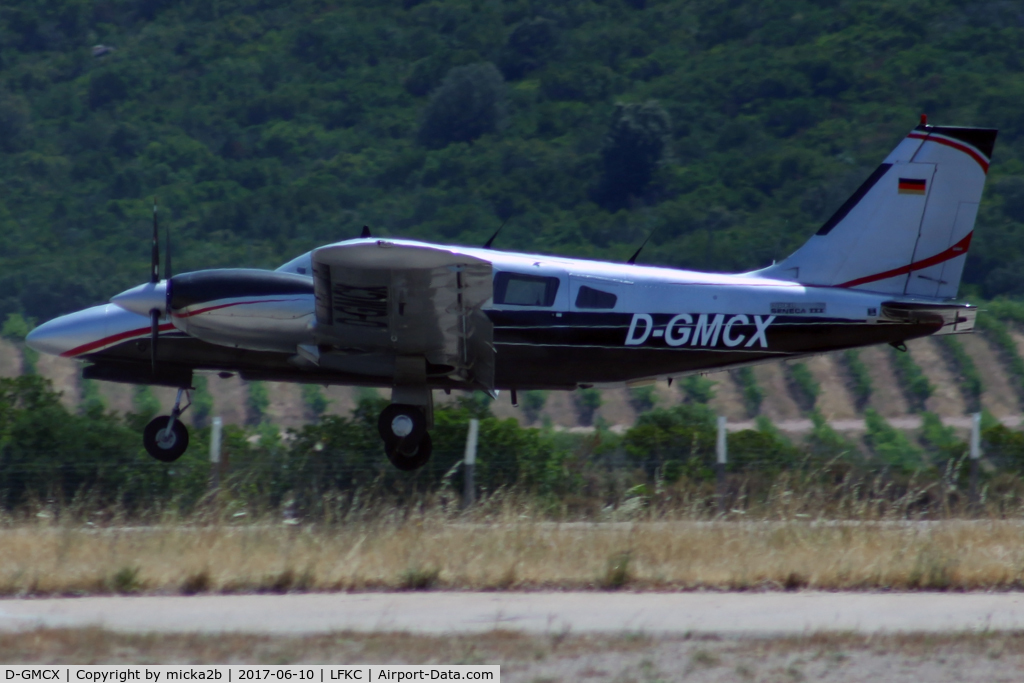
point(364, 673)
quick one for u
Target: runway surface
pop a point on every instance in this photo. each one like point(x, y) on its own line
point(761, 614)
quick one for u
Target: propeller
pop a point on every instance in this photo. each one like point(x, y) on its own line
point(154, 278)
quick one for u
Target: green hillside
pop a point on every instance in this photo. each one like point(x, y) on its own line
point(267, 128)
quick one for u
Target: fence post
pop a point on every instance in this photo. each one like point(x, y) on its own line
point(215, 434)
point(975, 456)
point(720, 452)
point(469, 464)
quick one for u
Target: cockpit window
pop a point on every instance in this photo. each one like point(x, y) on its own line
point(588, 297)
point(515, 289)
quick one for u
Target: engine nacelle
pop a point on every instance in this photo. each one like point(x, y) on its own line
point(244, 308)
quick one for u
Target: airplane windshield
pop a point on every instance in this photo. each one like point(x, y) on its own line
point(515, 289)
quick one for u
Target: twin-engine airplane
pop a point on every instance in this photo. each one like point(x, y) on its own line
point(417, 317)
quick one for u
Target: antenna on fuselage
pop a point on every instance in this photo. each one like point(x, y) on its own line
point(632, 259)
point(366, 232)
point(488, 243)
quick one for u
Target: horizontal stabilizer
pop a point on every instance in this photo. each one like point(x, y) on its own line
point(957, 319)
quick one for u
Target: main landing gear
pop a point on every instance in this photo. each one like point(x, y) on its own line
point(166, 437)
point(403, 425)
point(406, 440)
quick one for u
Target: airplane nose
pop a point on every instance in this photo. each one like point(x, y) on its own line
point(68, 332)
point(144, 298)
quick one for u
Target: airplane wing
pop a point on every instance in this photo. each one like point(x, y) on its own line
point(381, 304)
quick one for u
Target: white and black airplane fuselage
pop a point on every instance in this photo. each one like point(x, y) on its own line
point(416, 317)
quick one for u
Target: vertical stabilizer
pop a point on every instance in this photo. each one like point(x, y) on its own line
point(906, 230)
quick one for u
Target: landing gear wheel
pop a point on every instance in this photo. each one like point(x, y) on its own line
point(399, 454)
point(163, 445)
point(405, 423)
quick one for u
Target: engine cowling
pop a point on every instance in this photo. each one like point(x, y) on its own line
point(261, 310)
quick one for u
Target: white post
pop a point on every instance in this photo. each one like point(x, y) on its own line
point(469, 486)
point(215, 436)
point(975, 455)
point(975, 436)
point(720, 445)
point(721, 453)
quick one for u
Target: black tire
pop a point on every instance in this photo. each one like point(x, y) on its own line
point(394, 411)
point(172, 448)
point(407, 462)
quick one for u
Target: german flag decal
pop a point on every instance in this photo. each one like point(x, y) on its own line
point(911, 186)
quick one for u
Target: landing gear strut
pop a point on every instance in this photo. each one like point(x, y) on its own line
point(166, 437)
point(404, 431)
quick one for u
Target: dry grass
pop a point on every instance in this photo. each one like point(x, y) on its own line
point(508, 550)
point(561, 657)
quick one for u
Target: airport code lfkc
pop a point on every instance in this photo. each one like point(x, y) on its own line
point(231, 674)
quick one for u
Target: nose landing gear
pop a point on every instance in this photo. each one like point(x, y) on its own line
point(166, 437)
point(404, 431)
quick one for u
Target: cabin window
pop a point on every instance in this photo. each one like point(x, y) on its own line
point(515, 289)
point(588, 297)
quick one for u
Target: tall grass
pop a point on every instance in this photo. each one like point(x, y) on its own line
point(839, 532)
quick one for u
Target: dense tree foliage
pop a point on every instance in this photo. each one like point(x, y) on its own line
point(268, 128)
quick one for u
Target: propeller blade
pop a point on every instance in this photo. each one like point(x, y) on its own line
point(154, 317)
point(167, 262)
point(154, 273)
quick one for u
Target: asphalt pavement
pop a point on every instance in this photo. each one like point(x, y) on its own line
point(758, 614)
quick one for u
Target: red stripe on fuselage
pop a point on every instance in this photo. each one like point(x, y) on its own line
point(955, 145)
point(113, 339)
point(957, 249)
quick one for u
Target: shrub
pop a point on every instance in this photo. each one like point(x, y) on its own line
point(963, 365)
point(642, 398)
point(807, 388)
point(680, 439)
point(997, 331)
point(587, 403)
point(533, 402)
point(145, 404)
point(752, 392)
point(825, 443)
point(315, 400)
point(697, 388)
point(915, 384)
point(91, 401)
point(890, 445)
point(16, 327)
point(257, 403)
point(860, 378)
point(470, 102)
point(941, 440)
point(202, 402)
